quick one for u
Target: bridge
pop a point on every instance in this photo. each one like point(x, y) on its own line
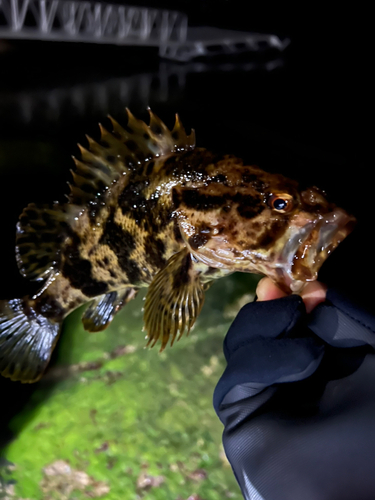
point(89, 21)
point(95, 22)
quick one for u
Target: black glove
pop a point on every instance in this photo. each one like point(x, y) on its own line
point(297, 400)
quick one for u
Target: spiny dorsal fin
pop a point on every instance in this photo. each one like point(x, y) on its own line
point(102, 310)
point(40, 231)
point(123, 151)
point(174, 300)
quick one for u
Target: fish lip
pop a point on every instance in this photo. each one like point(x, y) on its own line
point(309, 247)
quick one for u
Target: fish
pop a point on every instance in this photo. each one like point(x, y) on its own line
point(149, 209)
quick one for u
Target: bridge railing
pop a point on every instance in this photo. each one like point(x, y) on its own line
point(90, 21)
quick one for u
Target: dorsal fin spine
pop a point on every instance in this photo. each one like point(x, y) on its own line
point(118, 131)
point(124, 151)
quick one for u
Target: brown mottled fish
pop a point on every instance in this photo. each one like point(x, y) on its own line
point(149, 209)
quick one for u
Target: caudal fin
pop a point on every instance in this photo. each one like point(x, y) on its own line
point(27, 340)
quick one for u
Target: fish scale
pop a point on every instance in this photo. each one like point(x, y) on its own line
point(147, 208)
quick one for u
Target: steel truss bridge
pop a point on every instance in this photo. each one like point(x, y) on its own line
point(95, 22)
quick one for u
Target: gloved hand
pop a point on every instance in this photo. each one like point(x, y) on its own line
point(297, 400)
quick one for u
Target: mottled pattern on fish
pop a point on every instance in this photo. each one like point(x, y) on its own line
point(149, 209)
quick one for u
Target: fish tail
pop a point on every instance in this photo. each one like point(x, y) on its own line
point(27, 339)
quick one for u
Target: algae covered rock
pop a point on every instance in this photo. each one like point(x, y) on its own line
point(114, 420)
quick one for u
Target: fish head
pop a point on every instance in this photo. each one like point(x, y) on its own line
point(261, 223)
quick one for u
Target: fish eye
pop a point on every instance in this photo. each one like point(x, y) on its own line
point(281, 202)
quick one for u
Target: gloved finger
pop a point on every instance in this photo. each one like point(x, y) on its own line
point(264, 362)
point(272, 319)
point(342, 323)
point(261, 350)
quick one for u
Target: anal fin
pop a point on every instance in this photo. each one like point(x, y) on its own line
point(174, 300)
point(102, 310)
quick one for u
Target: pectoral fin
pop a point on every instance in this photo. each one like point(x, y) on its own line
point(174, 300)
point(102, 310)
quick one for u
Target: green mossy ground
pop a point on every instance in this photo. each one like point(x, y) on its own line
point(114, 420)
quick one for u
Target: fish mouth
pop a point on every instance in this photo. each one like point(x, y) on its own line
point(310, 245)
